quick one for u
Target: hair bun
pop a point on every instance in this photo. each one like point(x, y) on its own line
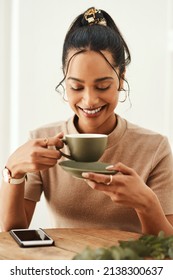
point(93, 16)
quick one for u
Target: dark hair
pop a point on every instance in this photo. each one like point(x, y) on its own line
point(96, 37)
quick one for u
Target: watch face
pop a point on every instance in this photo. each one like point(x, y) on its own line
point(6, 175)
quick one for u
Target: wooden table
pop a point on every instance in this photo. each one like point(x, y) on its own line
point(68, 242)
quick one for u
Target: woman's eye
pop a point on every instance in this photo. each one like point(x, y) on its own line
point(103, 88)
point(76, 88)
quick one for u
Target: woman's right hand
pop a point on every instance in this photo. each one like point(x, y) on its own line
point(35, 155)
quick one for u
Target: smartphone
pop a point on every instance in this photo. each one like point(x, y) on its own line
point(31, 237)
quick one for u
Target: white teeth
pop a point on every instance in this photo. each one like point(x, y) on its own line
point(92, 112)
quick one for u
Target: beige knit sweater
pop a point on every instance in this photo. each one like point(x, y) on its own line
point(72, 203)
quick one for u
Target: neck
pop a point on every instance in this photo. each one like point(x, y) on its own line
point(103, 129)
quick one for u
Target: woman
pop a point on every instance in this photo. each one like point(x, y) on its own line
point(139, 197)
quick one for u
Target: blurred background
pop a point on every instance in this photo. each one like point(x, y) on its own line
point(31, 39)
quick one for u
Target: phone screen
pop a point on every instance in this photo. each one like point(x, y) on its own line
point(30, 237)
point(27, 235)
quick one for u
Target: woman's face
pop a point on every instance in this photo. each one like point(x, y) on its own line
point(92, 91)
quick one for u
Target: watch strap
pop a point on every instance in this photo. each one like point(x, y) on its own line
point(14, 181)
point(10, 180)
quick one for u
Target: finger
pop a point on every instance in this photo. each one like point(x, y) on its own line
point(56, 140)
point(46, 162)
point(99, 178)
point(48, 153)
point(51, 141)
point(40, 152)
point(120, 167)
point(100, 186)
point(34, 167)
point(49, 162)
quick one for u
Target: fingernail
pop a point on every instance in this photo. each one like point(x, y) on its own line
point(85, 175)
point(110, 167)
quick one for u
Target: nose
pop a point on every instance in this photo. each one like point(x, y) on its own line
point(90, 98)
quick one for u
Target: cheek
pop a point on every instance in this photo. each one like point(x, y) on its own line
point(113, 98)
point(72, 98)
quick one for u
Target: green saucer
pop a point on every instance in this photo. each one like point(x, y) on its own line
point(77, 168)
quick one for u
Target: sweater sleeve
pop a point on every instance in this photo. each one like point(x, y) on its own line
point(33, 187)
point(161, 176)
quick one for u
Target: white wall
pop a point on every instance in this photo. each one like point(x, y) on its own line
point(33, 33)
point(4, 79)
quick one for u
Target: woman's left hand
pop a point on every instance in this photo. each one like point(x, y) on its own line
point(126, 187)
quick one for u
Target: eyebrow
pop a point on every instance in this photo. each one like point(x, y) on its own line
point(96, 80)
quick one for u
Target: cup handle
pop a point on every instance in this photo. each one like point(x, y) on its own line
point(63, 154)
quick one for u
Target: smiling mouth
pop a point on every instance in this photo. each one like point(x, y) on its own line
point(92, 111)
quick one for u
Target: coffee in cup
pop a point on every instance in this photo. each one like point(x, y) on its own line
point(85, 147)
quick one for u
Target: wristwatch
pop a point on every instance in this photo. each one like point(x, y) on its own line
point(8, 178)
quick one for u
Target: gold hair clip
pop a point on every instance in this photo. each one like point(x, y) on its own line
point(94, 16)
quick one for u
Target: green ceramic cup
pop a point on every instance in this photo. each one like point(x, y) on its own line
point(85, 147)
